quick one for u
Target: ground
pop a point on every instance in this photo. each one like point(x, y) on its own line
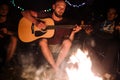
point(29, 64)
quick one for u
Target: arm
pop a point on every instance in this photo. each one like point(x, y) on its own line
point(5, 31)
point(117, 27)
point(2, 32)
point(32, 16)
point(74, 31)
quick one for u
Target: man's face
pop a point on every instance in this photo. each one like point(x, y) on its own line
point(111, 15)
point(3, 10)
point(59, 8)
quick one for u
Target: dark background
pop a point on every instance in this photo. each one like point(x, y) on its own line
point(93, 10)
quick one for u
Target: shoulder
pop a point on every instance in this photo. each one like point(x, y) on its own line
point(44, 14)
point(70, 21)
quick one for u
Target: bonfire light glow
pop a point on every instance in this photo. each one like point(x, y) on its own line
point(77, 67)
point(83, 70)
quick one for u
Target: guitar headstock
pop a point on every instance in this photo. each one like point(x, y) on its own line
point(84, 26)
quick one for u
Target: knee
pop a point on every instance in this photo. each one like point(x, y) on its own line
point(13, 39)
point(67, 43)
point(42, 42)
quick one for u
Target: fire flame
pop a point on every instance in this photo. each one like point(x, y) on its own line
point(80, 67)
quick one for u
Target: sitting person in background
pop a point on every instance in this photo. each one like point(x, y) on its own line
point(106, 42)
point(7, 36)
point(110, 25)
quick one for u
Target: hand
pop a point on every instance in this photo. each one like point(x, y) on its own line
point(105, 28)
point(1, 36)
point(41, 26)
point(88, 31)
point(76, 29)
point(117, 27)
point(4, 30)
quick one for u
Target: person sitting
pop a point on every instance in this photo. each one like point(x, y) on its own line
point(61, 41)
point(7, 36)
point(106, 43)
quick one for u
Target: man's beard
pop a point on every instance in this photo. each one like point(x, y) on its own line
point(58, 15)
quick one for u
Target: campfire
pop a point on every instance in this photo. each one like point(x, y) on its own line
point(80, 67)
point(77, 67)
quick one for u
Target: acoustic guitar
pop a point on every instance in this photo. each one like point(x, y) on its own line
point(28, 32)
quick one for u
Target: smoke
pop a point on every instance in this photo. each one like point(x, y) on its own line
point(31, 71)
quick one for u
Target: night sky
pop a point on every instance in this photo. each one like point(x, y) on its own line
point(93, 8)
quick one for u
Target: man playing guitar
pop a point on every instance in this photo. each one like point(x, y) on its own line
point(65, 37)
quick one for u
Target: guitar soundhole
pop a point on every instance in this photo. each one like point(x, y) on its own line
point(39, 33)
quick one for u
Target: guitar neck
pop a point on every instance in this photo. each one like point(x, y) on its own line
point(60, 26)
point(66, 26)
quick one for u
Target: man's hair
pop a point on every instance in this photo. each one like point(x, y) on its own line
point(113, 8)
point(59, 1)
point(4, 3)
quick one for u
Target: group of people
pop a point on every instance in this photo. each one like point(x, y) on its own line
point(64, 38)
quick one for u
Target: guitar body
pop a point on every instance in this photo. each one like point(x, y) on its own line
point(25, 33)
